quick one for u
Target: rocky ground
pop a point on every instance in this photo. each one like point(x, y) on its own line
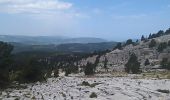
point(80, 88)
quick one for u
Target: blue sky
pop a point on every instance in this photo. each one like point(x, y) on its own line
point(109, 19)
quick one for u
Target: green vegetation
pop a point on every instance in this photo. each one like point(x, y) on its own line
point(162, 46)
point(169, 43)
point(64, 48)
point(5, 63)
point(132, 66)
point(26, 67)
point(118, 46)
point(143, 38)
point(129, 41)
point(105, 64)
point(147, 62)
point(89, 69)
point(152, 43)
point(165, 63)
point(84, 83)
point(163, 91)
point(93, 95)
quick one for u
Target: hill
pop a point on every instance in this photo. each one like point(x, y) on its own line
point(116, 59)
point(46, 40)
point(66, 48)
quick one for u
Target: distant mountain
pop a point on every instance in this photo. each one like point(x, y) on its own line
point(65, 48)
point(45, 40)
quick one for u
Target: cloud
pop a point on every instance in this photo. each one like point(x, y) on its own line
point(33, 6)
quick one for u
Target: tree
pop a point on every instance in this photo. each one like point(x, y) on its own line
point(143, 38)
point(150, 36)
point(167, 31)
point(118, 46)
point(165, 63)
point(89, 69)
point(162, 46)
point(147, 62)
point(129, 41)
point(56, 72)
point(97, 61)
point(34, 72)
point(105, 63)
point(160, 33)
point(152, 43)
point(169, 43)
point(132, 66)
point(5, 62)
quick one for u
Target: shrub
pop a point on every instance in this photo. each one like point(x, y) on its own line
point(163, 91)
point(93, 95)
point(84, 83)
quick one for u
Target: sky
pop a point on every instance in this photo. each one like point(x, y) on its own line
point(115, 20)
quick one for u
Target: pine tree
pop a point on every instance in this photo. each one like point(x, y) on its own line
point(132, 65)
point(147, 62)
point(89, 69)
point(165, 64)
point(150, 36)
point(152, 43)
point(5, 63)
point(167, 31)
point(169, 43)
point(118, 46)
point(129, 41)
point(105, 63)
point(143, 38)
point(162, 46)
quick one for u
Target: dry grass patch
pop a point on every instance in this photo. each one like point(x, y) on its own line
point(158, 75)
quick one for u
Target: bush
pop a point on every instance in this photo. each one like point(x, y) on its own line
point(93, 95)
point(163, 91)
point(152, 43)
point(132, 66)
point(84, 83)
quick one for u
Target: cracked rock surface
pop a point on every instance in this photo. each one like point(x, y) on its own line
point(106, 88)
